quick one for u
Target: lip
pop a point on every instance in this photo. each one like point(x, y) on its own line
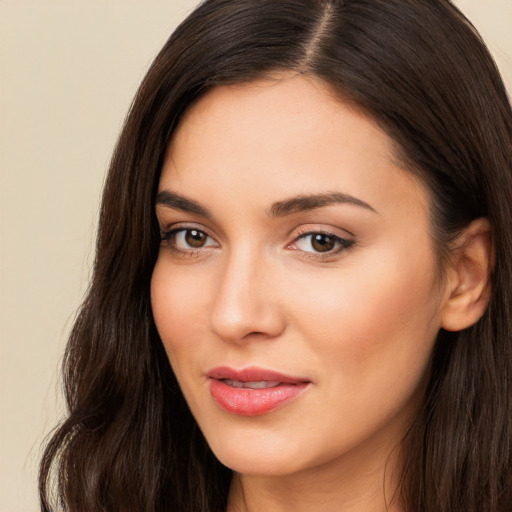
point(250, 401)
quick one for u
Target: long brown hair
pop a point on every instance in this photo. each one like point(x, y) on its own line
point(421, 71)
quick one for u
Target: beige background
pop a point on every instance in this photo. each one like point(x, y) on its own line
point(68, 71)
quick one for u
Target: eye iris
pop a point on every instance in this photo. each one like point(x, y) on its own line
point(195, 238)
point(322, 243)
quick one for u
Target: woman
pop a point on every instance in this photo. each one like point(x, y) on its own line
point(301, 293)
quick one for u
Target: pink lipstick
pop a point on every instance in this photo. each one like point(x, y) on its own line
point(253, 391)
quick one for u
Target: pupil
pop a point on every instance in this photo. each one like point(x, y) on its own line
point(195, 238)
point(322, 243)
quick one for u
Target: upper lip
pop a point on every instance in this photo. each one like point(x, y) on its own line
point(253, 374)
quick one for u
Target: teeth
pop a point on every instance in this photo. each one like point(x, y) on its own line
point(261, 384)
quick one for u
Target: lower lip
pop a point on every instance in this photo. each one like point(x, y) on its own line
point(253, 402)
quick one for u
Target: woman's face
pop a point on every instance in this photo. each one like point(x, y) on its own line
point(295, 290)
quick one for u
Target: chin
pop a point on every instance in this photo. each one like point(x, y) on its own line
point(257, 464)
point(266, 456)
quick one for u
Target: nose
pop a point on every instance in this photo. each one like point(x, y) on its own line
point(246, 305)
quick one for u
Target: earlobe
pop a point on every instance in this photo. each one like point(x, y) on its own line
point(468, 278)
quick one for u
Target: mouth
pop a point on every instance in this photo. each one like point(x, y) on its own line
point(253, 391)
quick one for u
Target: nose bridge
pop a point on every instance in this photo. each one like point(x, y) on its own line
point(245, 302)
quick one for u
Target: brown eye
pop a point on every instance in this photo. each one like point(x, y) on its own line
point(321, 242)
point(187, 240)
point(195, 238)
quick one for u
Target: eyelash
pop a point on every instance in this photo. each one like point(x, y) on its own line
point(341, 244)
point(169, 239)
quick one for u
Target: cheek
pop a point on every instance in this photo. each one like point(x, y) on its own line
point(178, 302)
point(374, 321)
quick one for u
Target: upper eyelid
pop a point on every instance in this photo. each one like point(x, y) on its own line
point(163, 210)
point(169, 219)
point(312, 228)
point(183, 226)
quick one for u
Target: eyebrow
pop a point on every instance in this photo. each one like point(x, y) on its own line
point(280, 209)
point(311, 202)
point(179, 202)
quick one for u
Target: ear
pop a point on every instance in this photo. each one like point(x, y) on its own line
point(468, 277)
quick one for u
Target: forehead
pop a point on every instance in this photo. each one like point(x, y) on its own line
point(303, 108)
point(282, 137)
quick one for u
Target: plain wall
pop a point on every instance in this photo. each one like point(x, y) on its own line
point(68, 72)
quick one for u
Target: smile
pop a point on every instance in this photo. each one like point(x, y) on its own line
point(253, 391)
